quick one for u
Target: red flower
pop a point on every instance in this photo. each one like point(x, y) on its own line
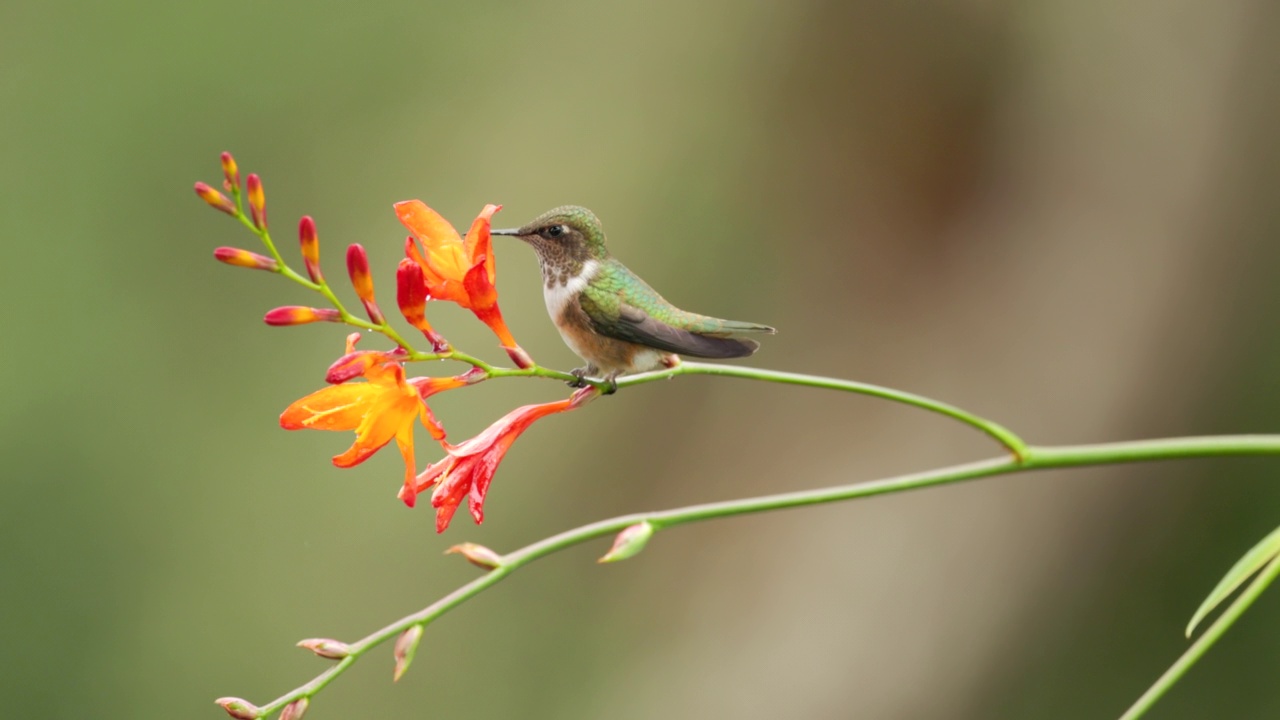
point(379, 410)
point(456, 269)
point(469, 467)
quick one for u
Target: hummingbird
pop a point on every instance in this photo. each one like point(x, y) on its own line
point(610, 317)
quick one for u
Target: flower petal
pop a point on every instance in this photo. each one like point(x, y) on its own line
point(479, 243)
point(340, 407)
point(426, 223)
point(444, 253)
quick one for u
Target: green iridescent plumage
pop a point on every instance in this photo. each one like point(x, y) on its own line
point(606, 313)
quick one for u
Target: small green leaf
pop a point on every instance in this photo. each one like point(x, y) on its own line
point(1258, 556)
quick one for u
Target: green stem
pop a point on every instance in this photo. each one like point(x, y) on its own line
point(1011, 442)
point(1034, 458)
point(1202, 644)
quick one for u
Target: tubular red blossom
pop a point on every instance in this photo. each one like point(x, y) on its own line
point(457, 269)
point(309, 241)
point(244, 258)
point(299, 315)
point(216, 200)
point(257, 201)
point(468, 468)
point(362, 281)
point(230, 173)
point(411, 296)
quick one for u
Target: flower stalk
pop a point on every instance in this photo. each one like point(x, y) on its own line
point(1035, 458)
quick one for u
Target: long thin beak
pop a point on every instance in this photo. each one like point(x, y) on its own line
point(514, 232)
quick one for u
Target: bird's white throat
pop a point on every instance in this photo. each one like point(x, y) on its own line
point(557, 295)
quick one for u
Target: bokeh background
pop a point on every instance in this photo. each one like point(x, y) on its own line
point(1061, 215)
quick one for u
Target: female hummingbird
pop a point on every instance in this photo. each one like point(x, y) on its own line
point(607, 314)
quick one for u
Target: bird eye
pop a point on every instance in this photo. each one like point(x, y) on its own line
point(555, 231)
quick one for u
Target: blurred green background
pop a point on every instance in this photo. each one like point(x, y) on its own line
point(1060, 215)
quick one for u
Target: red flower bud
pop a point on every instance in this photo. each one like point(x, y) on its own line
point(298, 315)
point(257, 201)
point(519, 357)
point(239, 708)
point(406, 646)
point(295, 710)
point(478, 555)
point(326, 648)
point(411, 296)
point(244, 258)
point(358, 268)
point(357, 363)
point(310, 247)
point(231, 172)
point(216, 200)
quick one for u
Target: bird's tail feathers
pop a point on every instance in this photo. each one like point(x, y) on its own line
point(734, 326)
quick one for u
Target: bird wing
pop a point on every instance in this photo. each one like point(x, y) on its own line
point(610, 315)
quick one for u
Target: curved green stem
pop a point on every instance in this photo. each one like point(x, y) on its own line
point(1011, 442)
point(1034, 458)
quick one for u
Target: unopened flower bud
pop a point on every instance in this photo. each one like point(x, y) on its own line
point(257, 201)
point(326, 648)
point(310, 244)
point(519, 357)
point(406, 647)
point(239, 708)
point(244, 258)
point(298, 315)
point(358, 268)
point(231, 173)
point(478, 555)
point(629, 542)
point(411, 296)
point(295, 710)
point(216, 200)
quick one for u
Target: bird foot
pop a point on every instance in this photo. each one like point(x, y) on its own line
point(611, 383)
point(580, 379)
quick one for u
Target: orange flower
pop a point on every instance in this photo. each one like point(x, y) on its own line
point(469, 468)
point(457, 269)
point(378, 410)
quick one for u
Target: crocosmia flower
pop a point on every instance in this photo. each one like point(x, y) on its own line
point(380, 409)
point(458, 269)
point(468, 468)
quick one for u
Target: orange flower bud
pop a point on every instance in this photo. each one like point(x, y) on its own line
point(310, 244)
point(411, 296)
point(358, 268)
point(257, 201)
point(216, 200)
point(231, 172)
point(326, 648)
point(406, 646)
point(244, 258)
point(629, 542)
point(478, 555)
point(295, 710)
point(239, 708)
point(298, 315)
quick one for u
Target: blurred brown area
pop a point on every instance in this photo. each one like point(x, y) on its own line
point(1058, 215)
